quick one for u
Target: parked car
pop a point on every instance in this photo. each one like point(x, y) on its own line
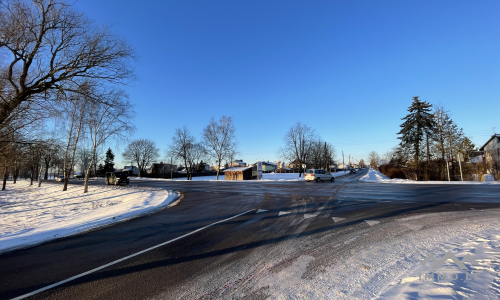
point(352, 171)
point(117, 178)
point(318, 175)
point(60, 178)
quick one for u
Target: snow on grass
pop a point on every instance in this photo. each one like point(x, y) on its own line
point(376, 176)
point(265, 177)
point(30, 215)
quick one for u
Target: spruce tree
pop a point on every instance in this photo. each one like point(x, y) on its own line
point(417, 124)
point(109, 164)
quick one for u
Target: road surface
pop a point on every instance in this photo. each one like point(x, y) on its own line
point(278, 223)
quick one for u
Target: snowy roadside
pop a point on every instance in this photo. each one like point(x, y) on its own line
point(30, 215)
point(376, 176)
point(266, 177)
point(387, 261)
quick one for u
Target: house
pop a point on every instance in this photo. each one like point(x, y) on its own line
point(491, 154)
point(132, 170)
point(491, 148)
point(280, 164)
point(268, 167)
point(296, 165)
point(161, 168)
point(238, 173)
point(238, 163)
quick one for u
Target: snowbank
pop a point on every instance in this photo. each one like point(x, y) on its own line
point(265, 177)
point(30, 215)
point(376, 176)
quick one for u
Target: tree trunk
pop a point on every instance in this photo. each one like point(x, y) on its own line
point(40, 176)
point(5, 175)
point(31, 176)
point(87, 173)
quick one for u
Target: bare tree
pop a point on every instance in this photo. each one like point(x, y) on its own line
point(198, 154)
point(74, 118)
point(220, 139)
point(374, 159)
point(143, 152)
point(108, 118)
point(55, 49)
point(298, 144)
point(182, 147)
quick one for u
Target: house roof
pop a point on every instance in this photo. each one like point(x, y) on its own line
point(491, 138)
point(237, 169)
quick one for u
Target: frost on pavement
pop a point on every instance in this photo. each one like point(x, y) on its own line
point(31, 215)
point(384, 262)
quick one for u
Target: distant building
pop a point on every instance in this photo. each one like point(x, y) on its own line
point(238, 163)
point(161, 168)
point(491, 154)
point(132, 170)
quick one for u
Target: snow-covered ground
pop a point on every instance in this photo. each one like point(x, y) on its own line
point(390, 265)
point(376, 176)
point(265, 177)
point(30, 215)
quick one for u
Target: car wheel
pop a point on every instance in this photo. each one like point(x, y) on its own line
point(317, 179)
point(332, 180)
point(307, 180)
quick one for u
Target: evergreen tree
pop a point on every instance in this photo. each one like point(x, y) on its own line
point(417, 124)
point(109, 164)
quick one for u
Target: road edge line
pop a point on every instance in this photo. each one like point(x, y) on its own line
point(125, 258)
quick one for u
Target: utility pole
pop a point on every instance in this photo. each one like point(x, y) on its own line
point(343, 162)
point(171, 171)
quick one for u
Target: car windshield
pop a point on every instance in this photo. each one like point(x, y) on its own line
point(309, 172)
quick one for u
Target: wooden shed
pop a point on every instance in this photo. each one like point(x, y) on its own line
point(238, 173)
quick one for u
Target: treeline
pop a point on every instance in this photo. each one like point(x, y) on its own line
point(217, 143)
point(431, 146)
point(305, 149)
point(60, 78)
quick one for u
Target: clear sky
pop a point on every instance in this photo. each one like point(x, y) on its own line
point(348, 69)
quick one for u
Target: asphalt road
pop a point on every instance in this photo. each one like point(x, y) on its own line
point(283, 220)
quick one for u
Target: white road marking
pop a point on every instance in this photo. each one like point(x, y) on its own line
point(284, 213)
point(125, 258)
point(336, 219)
point(307, 216)
point(261, 210)
point(371, 223)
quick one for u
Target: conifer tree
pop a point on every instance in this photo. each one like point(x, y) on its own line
point(417, 124)
point(109, 164)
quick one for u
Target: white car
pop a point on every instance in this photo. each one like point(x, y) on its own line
point(60, 178)
point(318, 175)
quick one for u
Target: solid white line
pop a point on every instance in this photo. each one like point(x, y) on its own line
point(125, 258)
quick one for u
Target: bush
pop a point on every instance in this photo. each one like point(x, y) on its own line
point(392, 171)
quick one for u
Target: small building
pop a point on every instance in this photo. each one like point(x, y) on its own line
point(238, 163)
point(238, 173)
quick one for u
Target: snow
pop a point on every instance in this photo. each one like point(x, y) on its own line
point(266, 177)
point(30, 215)
point(389, 266)
point(376, 176)
point(237, 169)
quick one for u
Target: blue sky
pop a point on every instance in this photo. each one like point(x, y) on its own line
point(348, 69)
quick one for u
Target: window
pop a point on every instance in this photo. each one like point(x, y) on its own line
point(309, 172)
